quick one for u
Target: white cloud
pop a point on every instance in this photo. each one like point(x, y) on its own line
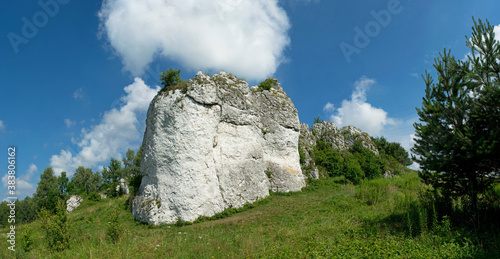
point(78, 94)
point(497, 32)
point(69, 123)
point(2, 126)
point(30, 172)
point(117, 131)
point(329, 107)
point(23, 186)
point(243, 37)
point(359, 113)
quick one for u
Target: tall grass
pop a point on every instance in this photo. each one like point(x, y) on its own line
point(380, 218)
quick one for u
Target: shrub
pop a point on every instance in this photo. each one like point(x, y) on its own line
point(27, 239)
point(326, 157)
point(318, 120)
point(351, 169)
point(57, 229)
point(94, 196)
point(302, 155)
point(372, 165)
point(113, 230)
point(266, 84)
point(111, 191)
point(171, 80)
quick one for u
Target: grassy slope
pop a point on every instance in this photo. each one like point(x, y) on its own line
point(326, 220)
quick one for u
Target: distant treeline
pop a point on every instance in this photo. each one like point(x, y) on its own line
point(53, 189)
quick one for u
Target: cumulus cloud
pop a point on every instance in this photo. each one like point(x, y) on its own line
point(117, 131)
point(243, 37)
point(2, 126)
point(23, 186)
point(358, 112)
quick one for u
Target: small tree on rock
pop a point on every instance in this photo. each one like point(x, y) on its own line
point(170, 78)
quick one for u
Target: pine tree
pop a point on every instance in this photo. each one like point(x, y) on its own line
point(458, 141)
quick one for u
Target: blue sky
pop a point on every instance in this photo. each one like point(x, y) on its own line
point(76, 77)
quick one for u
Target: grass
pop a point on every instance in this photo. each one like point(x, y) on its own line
point(329, 219)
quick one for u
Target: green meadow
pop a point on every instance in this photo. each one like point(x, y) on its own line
point(379, 218)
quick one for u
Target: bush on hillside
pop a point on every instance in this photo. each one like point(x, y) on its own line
point(94, 196)
point(327, 158)
point(351, 169)
point(372, 165)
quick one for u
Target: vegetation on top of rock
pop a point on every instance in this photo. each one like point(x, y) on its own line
point(318, 120)
point(171, 80)
point(266, 84)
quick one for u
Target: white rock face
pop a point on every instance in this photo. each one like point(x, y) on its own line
point(73, 202)
point(123, 186)
point(340, 139)
point(218, 145)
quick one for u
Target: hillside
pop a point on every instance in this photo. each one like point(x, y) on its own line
point(328, 219)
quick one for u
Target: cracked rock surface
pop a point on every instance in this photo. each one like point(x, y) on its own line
point(217, 144)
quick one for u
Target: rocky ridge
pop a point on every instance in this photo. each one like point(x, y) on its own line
point(216, 144)
point(341, 139)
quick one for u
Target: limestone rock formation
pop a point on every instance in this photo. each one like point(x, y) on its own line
point(341, 139)
point(216, 144)
point(123, 186)
point(73, 202)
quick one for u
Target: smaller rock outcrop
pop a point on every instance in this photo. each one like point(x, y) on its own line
point(123, 186)
point(341, 139)
point(73, 202)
